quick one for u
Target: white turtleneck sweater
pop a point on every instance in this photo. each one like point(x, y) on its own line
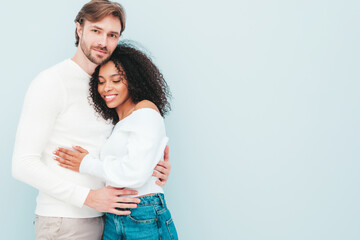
point(56, 113)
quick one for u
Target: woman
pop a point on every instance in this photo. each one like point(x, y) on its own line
point(130, 91)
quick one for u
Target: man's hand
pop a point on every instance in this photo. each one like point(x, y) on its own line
point(107, 199)
point(162, 169)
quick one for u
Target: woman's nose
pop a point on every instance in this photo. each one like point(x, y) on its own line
point(108, 87)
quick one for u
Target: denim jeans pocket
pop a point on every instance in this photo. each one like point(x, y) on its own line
point(171, 228)
point(143, 214)
point(168, 229)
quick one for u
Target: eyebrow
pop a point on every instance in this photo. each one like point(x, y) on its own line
point(116, 74)
point(97, 27)
point(113, 75)
point(94, 26)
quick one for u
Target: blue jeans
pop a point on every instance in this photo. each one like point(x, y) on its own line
point(150, 220)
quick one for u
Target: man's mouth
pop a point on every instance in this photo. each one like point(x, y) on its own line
point(100, 51)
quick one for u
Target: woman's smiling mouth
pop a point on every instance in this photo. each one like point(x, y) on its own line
point(109, 98)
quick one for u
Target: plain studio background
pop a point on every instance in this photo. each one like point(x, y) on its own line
point(264, 132)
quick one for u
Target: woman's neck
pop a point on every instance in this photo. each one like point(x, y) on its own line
point(125, 109)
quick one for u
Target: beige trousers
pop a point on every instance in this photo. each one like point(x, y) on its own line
point(59, 228)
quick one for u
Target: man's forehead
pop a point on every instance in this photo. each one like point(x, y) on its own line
point(113, 24)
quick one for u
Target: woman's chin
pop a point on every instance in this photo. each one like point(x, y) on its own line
point(109, 105)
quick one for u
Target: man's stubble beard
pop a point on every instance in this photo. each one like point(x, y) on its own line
point(87, 52)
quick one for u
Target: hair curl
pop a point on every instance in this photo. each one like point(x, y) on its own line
point(144, 81)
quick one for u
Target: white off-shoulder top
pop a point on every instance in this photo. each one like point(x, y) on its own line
point(131, 153)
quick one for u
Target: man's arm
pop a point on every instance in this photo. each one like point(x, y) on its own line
point(162, 169)
point(44, 100)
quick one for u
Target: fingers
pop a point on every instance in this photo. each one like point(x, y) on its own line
point(118, 212)
point(61, 153)
point(67, 151)
point(160, 176)
point(160, 183)
point(125, 205)
point(64, 161)
point(80, 149)
point(162, 170)
point(166, 153)
point(124, 202)
point(127, 200)
point(118, 192)
point(164, 164)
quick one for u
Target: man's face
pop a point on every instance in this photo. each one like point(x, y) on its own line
point(99, 39)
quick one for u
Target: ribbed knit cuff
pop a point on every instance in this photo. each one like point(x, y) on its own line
point(92, 166)
point(79, 196)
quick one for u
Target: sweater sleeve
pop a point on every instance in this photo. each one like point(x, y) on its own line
point(44, 100)
point(147, 140)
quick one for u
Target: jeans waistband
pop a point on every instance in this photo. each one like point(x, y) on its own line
point(157, 198)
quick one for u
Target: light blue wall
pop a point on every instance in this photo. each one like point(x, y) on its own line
point(265, 123)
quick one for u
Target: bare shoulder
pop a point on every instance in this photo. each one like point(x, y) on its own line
point(146, 104)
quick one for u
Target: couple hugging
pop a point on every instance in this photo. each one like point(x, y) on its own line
point(93, 120)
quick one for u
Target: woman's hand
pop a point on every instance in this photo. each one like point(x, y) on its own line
point(70, 159)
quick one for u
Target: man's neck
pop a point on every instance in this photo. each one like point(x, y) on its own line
point(84, 62)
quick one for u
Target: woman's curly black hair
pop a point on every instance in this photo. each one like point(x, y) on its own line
point(144, 81)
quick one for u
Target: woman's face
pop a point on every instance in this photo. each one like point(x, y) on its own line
point(112, 86)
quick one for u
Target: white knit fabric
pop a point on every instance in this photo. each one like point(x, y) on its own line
point(56, 113)
point(131, 153)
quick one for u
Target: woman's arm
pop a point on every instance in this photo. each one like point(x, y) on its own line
point(146, 143)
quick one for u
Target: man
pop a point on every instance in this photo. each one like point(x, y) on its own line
point(56, 113)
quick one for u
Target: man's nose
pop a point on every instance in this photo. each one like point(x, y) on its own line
point(102, 40)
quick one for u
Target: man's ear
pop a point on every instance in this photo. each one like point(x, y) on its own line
point(79, 29)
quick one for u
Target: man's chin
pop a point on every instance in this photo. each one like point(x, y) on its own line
point(97, 60)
